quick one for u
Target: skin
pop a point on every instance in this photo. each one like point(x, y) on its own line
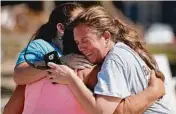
point(95, 104)
point(15, 104)
point(128, 106)
point(25, 74)
point(95, 48)
point(90, 44)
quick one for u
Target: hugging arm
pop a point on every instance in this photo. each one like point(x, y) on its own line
point(95, 104)
point(137, 104)
point(25, 74)
point(75, 61)
point(130, 105)
point(15, 104)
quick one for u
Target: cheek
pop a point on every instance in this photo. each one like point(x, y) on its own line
point(96, 51)
point(99, 51)
point(92, 47)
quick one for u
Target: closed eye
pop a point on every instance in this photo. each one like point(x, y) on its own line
point(84, 41)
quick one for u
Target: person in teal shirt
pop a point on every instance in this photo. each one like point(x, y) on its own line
point(50, 37)
point(25, 73)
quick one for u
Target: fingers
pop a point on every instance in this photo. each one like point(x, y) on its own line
point(52, 65)
point(151, 77)
point(80, 67)
point(80, 63)
point(50, 71)
point(87, 65)
point(75, 61)
point(52, 77)
point(76, 71)
point(78, 56)
point(83, 60)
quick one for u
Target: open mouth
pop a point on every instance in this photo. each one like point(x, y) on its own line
point(88, 54)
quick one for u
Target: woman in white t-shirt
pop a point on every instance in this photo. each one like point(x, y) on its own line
point(125, 70)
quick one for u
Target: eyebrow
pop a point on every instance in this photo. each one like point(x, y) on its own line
point(84, 37)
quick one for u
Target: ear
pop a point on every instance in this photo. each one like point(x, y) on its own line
point(60, 28)
point(107, 35)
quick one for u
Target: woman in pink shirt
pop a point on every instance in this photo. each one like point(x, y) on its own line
point(43, 97)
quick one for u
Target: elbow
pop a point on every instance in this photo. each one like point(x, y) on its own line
point(126, 107)
point(6, 109)
point(123, 108)
point(95, 110)
point(17, 77)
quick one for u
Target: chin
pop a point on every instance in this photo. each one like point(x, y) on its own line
point(91, 60)
point(94, 61)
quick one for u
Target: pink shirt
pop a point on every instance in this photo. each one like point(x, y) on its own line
point(43, 97)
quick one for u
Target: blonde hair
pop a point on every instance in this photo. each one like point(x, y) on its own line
point(98, 18)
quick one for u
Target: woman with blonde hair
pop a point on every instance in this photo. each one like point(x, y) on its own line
point(125, 71)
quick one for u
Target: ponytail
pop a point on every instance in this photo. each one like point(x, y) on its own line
point(46, 32)
point(130, 37)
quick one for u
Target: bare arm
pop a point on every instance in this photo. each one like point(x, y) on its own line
point(137, 104)
point(96, 104)
point(25, 74)
point(16, 103)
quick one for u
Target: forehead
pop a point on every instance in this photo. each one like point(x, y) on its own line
point(83, 30)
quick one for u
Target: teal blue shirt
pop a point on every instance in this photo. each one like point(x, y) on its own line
point(36, 51)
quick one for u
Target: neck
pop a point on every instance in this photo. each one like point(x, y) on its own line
point(58, 43)
point(110, 46)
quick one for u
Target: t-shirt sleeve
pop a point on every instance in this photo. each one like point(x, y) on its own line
point(33, 54)
point(112, 79)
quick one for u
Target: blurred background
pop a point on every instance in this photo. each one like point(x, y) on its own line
point(154, 20)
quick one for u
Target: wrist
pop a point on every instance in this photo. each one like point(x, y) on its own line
point(73, 79)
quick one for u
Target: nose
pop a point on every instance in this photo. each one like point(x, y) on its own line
point(81, 47)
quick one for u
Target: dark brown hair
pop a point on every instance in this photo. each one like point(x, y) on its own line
point(61, 14)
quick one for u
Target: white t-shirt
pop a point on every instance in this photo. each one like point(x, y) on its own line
point(124, 73)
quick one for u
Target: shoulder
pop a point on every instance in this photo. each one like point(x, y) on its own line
point(122, 50)
point(42, 46)
point(122, 53)
point(40, 43)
